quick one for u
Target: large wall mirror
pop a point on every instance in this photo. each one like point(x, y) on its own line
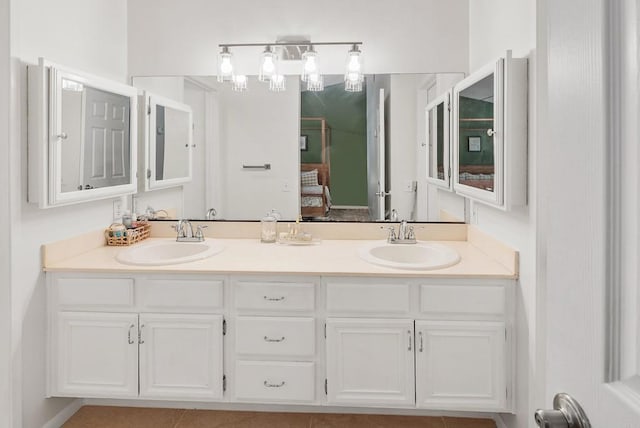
point(327, 155)
point(82, 136)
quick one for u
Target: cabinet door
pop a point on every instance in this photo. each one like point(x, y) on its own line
point(461, 365)
point(96, 355)
point(370, 362)
point(181, 356)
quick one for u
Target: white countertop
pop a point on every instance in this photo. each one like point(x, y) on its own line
point(330, 257)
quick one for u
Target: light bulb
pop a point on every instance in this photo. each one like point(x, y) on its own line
point(310, 65)
point(226, 67)
point(354, 63)
point(268, 66)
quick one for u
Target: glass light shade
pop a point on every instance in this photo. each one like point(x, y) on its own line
point(225, 65)
point(315, 83)
point(239, 83)
point(277, 83)
point(353, 76)
point(309, 64)
point(353, 86)
point(268, 65)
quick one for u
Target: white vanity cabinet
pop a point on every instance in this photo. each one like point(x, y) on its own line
point(442, 345)
point(274, 330)
point(104, 343)
point(388, 342)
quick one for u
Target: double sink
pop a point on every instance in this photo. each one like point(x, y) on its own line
point(419, 256)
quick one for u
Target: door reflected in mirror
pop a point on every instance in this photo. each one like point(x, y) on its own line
point(95, 144)
point(476, 164)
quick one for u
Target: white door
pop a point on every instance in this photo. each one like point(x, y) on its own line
point(106, 139)
point(181, 356)
point(460, 365)
point(97, 355)
point(370, 362)
point(377, 194)
point(580, 264)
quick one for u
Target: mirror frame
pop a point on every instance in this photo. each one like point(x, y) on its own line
point(149, 103)
point(45, 121)
point(495, 197)
point(445, 99)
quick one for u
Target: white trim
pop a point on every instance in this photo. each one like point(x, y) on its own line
point(350, 207)
point(447, 100)
point(499, 421)
point(63, 415)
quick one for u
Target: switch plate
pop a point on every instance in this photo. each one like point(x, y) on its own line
point(117, 209)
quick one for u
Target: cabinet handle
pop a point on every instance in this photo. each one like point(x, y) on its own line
point(273, 299)
point(131, 342)
point(421, 341)
point(140, 341)
point(273, 385)
point(268, 339)
point(409, 333)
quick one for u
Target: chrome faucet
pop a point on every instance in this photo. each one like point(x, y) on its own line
point(211, 214)
point(185, 232)
point(405, 234)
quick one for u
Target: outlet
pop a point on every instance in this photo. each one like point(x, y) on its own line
point(117, 209)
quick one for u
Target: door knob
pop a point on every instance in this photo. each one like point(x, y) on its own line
point(566, 413)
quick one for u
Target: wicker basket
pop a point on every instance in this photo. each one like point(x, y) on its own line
point(131, 236)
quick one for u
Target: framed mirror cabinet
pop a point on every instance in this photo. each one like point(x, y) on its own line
point(82, 136)
point(167, 136)
point(438, 137)
point(490, 134)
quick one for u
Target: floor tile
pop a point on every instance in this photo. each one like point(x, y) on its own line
point(123, 417)
point(469, 423)
point(374, 421)
point(222, 419)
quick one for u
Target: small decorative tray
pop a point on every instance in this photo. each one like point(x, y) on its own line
point(120, 236)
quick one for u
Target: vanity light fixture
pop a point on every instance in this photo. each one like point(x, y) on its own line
point(268, 65)
point(268, 72)
point(225, 65)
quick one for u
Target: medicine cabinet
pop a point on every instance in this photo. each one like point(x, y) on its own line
point(490, 134)
point(167, 133)
point(438, 122)
point(82, 136)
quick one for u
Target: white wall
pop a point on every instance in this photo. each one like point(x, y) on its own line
point(86, 35)
point(495, 26)
point(259, 127)
point(373, 152)
point(403, 140)
point(412, 36)
point(7, 403)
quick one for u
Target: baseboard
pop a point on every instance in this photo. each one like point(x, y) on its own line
point(499, 421)
point(63, 415)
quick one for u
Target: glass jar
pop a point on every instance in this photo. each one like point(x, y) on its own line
point(269, 228)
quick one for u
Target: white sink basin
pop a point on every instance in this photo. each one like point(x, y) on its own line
point(420, 256)
point(168, 252)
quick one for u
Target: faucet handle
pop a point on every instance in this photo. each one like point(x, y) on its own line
point(411, 234)
point(199, 231)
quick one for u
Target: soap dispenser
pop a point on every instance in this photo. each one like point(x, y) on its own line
point(269, 228)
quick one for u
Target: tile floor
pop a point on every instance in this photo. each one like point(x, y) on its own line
point(133, 417)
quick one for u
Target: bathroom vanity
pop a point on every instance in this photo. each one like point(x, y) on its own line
point(267, 323)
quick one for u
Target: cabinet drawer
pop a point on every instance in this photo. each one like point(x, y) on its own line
point(462, 300)
point(280, 296)
point(367, 298)
point(116, 293)
point(266, 336)
point(275, 381)
point(182, 295)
